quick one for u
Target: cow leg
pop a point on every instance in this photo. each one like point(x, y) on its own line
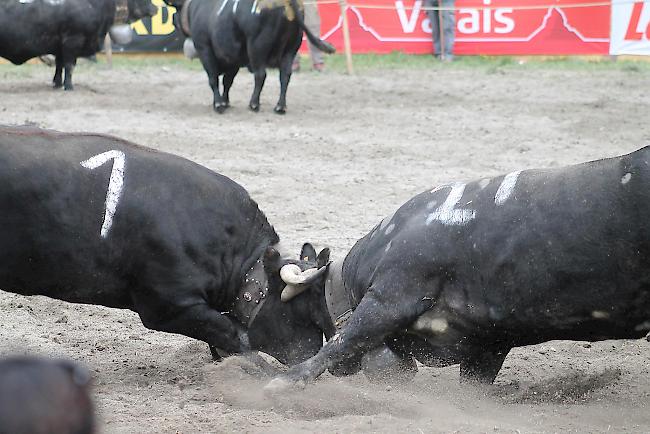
point(69, 67)
point(198, 321)
point(260, 77)
point(285, 76)
point(209, 63)
point(228, 78)
point(482, 366)
point(377, 316)
point(58, 73)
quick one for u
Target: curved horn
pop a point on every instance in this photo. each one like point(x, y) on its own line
point(290, 291)
point(292, 275)
point(297, 281)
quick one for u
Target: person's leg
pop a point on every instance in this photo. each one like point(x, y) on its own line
point(312, 22)
point(435, 26)
point(448, 29)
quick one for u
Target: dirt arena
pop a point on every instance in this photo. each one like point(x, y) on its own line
point(350, 150)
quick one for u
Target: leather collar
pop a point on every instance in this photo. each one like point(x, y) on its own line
point(121, 12)
point(340, 301)
point(185, 18)
point(252, 295)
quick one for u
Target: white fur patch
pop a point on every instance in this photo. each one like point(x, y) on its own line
point(626, 178)
point(599, 314)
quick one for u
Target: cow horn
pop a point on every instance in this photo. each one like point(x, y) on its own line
point(297, 281)
point(290, 291)
point(292, 275)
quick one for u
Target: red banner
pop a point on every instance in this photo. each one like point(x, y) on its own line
point(490, 27)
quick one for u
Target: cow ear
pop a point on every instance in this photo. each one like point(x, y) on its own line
point(308, 253)
point(323, 258)
point(271, 261)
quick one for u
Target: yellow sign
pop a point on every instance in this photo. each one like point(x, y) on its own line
point(161, 24)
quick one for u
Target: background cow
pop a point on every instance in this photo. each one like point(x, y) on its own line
point(467, 271)
point(95, 219)
point(229, 34)
point(68, 29)
point(40, 396)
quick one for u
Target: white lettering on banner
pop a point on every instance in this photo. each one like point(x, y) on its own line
point(630, 28)
point(408, 23)
point(115, 184)
point(472, 23)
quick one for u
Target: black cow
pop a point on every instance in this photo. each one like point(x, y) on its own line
point(94, 219)
point(230, 34)
point(67, 29)
point(39, 396)
point(466, 271)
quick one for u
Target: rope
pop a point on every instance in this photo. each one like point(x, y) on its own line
point(482, 7)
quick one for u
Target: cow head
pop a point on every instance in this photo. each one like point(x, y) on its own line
point(291, 324)
point(139, 9)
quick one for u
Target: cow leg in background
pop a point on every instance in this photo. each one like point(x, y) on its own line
point(228, 78)
point(69, 67)
point(482, 366)
point(285, 76)
point(70, 44)
point(58, 73)
point(260, 77)
point(382, 312)
point(257, 52)
point(210, 65)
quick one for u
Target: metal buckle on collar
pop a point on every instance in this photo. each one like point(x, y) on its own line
point(343, 318)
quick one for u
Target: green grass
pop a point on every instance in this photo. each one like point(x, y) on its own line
point(374, 62)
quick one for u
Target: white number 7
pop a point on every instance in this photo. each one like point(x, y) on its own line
point(114, 184)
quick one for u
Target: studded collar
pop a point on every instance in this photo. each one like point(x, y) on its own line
point(252, 295)
point(121, 12)
point(185, 18)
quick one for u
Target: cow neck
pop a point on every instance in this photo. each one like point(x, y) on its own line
point(121, 12)
point(185, 18)
point(252, 295)
point(340, 301)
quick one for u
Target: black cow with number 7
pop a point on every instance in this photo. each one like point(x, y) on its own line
point(466, 271)
point(94, 219)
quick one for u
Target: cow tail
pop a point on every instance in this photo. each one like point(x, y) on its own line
point(324, 46)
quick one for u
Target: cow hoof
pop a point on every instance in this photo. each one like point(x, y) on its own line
point(221, 108)
point(280, 385)
point(280, 110)
point(70, 87)
point(254, 107)
point(57, 85)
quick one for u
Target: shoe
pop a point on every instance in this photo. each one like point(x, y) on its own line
point(318, 67)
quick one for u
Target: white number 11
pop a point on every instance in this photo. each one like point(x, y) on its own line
point(115, 184)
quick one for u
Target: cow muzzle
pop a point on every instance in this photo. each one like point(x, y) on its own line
point(297, 280)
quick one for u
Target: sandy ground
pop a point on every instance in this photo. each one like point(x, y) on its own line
point(350, 150)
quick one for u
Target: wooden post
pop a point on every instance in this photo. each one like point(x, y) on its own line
point(108, 49)
point(346, 36)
